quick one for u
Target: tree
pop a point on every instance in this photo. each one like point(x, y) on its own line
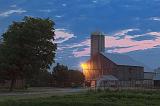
point(42, 79)
point(60, 74)
point(27, 48)
point(76, 77)
point(65, 77)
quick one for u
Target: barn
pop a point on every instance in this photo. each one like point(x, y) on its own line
point(120, 67)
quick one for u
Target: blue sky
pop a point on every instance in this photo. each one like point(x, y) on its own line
point(131, 27)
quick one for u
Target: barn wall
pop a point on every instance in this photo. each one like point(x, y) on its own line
point(98, 65)
point(129, 72)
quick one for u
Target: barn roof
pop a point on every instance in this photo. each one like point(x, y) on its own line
point(106, 78)
point(121, 59)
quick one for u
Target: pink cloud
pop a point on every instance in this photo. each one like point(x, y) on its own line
point(62, 35)
point(84, 52)
point(127, 44)
point(74, 45)
point(83, 43)
point(132, 44)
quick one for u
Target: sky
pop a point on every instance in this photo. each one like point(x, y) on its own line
point(131, 27)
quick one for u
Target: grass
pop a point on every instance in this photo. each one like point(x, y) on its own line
point(92, 98)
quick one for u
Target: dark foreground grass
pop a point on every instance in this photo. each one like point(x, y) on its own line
point(93, 98)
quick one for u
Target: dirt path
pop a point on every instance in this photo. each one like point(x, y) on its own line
point(38, 92)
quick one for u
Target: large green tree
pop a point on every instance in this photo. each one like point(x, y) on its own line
point(27, 48)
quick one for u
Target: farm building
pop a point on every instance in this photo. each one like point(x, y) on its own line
point(156, 78)
point(102, 65)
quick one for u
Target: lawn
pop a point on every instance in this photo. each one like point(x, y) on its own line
point(92, 98)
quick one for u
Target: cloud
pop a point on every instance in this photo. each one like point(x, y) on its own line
point(94, 1)
point(131, 45)
point(13, 6)
point(154, 33)
point(46, 10)
point(155, 18)
point(75, 46)
point(100, 2)
point(84, 52)
point(63, 35)
point(58, 16)
point(124, 32)
point(82, 44)
point(123, 45)
point(9, 12)
point(64, 5)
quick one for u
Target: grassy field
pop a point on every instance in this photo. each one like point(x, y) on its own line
point(92, 98)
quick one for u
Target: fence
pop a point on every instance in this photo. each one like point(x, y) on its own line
point(17, 84)
point(146, 84)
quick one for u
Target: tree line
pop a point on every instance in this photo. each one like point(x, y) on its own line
point(59, 76)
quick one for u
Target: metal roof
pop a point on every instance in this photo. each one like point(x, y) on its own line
point(121, 59)
point(106, 78)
